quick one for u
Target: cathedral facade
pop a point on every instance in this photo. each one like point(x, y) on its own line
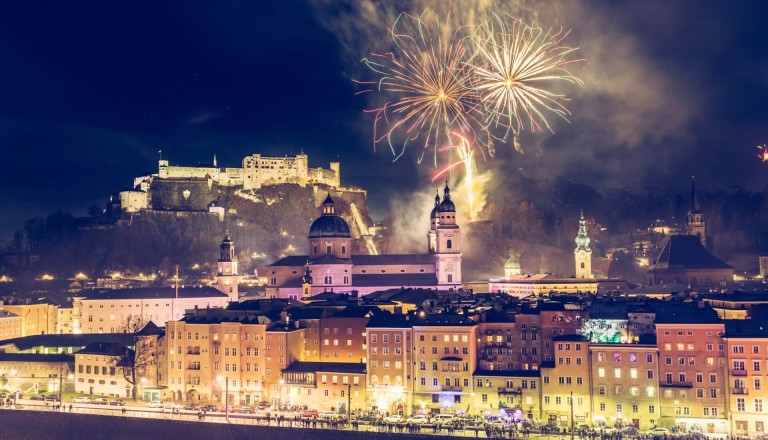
point(330, 265)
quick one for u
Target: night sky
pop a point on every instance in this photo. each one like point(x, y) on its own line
point(90, 91)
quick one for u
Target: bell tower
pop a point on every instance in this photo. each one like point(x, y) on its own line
point(433, 220)
point(447, 243)
point(582, 253)
point(227, 276)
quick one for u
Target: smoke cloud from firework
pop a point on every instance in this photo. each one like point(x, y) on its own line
point(627, 102)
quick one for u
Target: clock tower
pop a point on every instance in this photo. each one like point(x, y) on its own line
point(227, 277)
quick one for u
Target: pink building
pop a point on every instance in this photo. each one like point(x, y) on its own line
point(331, 266)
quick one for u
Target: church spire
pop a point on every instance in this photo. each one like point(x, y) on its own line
point(694, 208)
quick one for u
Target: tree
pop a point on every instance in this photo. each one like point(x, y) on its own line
point(140, 362)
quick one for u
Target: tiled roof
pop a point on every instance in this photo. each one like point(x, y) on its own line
point(746, 328)
point(389, 320)
point(393, 259)
point(155, 293)
point(686, 252)
point(34, 357)
point(292, 260)
point(512, 373)
point(394, 279)
point(325, 367)
point(105, 348)
point(683, 313)
point(330, 259)
point(69, 340)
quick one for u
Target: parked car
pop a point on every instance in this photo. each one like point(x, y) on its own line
point(328, 415)
point(154, 404)
point(630, 431)
point(100, 401)
point(171, 405)
point(419, 419)
point(209, 408)
point(84, 399)
point(443, 419)
point(394, 418)
point(246, 410)
point(51, 397)
point(495, 422)
point(263, 405)
point(659, 431)
point(3, 395)
point(309, 414)
point(37, 397)
point(117, 402)
point(191, 407)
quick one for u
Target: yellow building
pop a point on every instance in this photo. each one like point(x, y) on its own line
point(565, 383)
point(734, 305)
point(11, 325)
point(205, 358)
point(625, 390)
point(389, 382)
point(34, 373)
point(444, 362)
point(514, 395)
point(100, 370)
point(692, 367)
point(39, 319)
point(325, 386)
point(747, 360)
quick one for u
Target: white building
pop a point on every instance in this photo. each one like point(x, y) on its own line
point(116, 311)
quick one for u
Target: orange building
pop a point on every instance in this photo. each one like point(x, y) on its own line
point(746, 348)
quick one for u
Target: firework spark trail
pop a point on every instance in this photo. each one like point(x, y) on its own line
point(510, 69)
point(430, 86)
point(466, 154)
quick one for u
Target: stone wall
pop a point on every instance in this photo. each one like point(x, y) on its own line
point(35, 425)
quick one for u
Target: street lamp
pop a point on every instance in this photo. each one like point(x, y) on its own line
point(226, 397)
point(349, 404)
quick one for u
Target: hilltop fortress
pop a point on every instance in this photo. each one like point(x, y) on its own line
point(257, 171)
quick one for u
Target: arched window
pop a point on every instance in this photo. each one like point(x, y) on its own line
point(386, 380)
point(449, 244)
point(582, 265)
point(374, 380)
point(328, 279)
point(273, 281)
point(328, 249)
point(314, 250)
point(346, 279)
point(343, 249)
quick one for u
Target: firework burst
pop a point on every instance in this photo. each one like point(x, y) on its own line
point(428, 82)
point(512, 67)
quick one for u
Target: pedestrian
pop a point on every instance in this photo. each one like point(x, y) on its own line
point(70, 407)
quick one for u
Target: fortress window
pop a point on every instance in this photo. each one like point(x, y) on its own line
point(448, 244)
point(328, 250)
point(343, 250)
point(314, 250)
point(582, 265)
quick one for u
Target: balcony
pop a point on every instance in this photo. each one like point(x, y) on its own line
point(507, 390)
point(193, 367)
point(450, 388)
point(676, 384)
point(741, 373)
point(193, 351)
point(740, 391)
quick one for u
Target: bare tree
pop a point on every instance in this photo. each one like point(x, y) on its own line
point(139, 362)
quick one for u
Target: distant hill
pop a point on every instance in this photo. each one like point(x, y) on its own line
point(537, 217)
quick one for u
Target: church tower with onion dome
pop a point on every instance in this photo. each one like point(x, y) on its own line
point(227, 276)
point(433, 220)
point(582, 253)
point(447, 242)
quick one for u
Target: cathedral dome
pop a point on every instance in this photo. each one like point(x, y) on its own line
point(329, 225)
